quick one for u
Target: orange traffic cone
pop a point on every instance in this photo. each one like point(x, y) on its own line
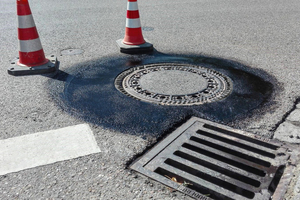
point(32, 59)
point(133, 41)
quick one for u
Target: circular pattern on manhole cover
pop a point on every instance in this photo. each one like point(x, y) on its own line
point(174, 84)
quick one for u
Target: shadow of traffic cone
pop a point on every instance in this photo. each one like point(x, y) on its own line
point(31, 59)
point(133, 41)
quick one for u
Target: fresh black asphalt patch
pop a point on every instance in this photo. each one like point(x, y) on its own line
point(87, 90)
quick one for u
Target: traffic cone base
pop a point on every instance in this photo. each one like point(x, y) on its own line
point(32, 59)
point(133, 41)
point(18, 69)
point(146, 47)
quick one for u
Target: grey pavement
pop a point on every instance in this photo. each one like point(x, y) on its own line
point(263, 36)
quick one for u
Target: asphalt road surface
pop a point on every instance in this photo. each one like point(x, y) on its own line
point(255, 42)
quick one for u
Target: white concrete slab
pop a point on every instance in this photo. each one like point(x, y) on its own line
point(47, 147)
point(288, 132)
point(294, 116)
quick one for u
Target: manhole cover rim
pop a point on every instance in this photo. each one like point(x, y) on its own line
point(220, 85)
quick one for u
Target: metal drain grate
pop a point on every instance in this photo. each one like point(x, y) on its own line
point(206, 160)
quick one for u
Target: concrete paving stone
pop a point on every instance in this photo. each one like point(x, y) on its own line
point(288, 132)
point(297, 190)
point(294, 116)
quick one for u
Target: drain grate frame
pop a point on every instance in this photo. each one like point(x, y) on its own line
point(206, 160)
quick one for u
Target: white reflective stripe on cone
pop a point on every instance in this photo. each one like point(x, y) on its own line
point(133, 23)
point(30, 45)
point(26, 21)
point(132, 6)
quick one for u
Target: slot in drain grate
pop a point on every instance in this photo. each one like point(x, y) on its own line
point(206, 160)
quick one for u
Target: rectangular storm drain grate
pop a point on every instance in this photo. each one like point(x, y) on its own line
point(206, 160)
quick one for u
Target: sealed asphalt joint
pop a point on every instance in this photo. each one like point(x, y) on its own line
point(284, 117)
point(289, 127)
point(87, 91)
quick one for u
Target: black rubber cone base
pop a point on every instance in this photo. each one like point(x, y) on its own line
point(18, 70)
point(135, 49)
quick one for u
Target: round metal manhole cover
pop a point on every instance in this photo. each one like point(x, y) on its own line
point(174, 84)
